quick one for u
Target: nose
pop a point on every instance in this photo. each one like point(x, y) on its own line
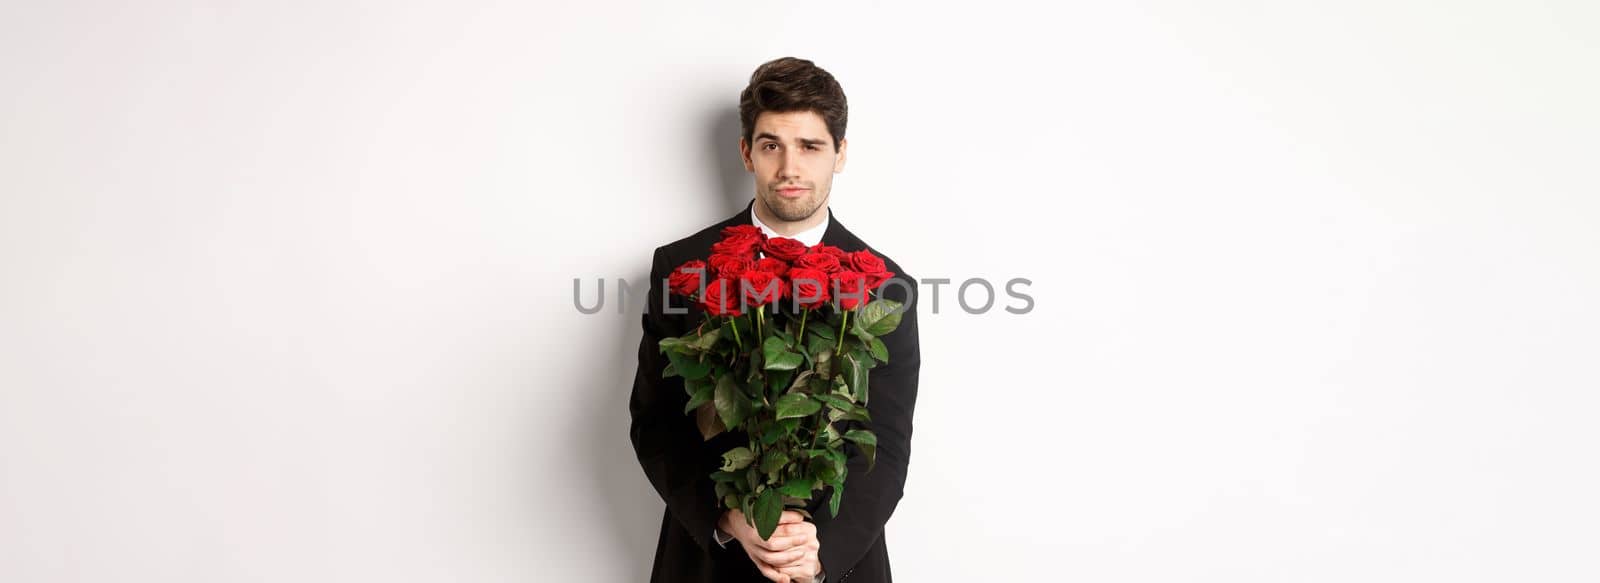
point(788, 164)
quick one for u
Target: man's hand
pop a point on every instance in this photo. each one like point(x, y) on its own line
point(790, 556)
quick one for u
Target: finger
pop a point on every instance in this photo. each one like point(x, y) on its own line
point(778, 543)
point(788, 555)
point(782, 558)
point(785, 542)
point(808, 558)
point(769, 571)
point(789, 516)
point(800, 573)
point(797, 529)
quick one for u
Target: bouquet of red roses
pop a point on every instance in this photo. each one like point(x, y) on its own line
point(789, 335)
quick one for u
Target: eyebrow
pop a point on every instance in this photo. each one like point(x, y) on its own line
point(804, 141)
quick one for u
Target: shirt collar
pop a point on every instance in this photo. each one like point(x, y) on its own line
point(810, 236)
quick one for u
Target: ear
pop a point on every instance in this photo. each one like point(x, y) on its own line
point(838, 161)
point(744, 154)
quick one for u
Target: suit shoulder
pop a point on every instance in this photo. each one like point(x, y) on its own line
point(888, 260)
point(693, 246)
point(905, 290)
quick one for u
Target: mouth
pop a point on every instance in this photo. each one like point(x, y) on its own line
point(792, 192)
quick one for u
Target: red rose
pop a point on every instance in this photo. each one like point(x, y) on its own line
point(875, 280)
point(827, 249)
point(865, 262)
point(761, 287)
point(739, 240)
point(849, 288)
point(808, 287)
point(721, 297)
point(825, 262)
point(870, 265)
point(742, 246)
point(685, 280)
point(730, 266)
point(784, 248)
point(774, 266)
point(739, 231)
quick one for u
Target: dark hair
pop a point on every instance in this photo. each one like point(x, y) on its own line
point(790, 84)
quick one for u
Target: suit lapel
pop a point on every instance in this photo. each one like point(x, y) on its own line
point(835, 235)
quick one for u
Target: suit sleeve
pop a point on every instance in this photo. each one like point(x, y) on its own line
point(870, 497)
point(664, 438)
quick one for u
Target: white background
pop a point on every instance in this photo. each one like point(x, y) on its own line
point(286, 288)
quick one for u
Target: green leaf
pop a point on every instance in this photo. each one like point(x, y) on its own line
point(855, 375)
point(778, 356)
point(799, 383)
point(795, 405)
point(825, 362)
point(857, 413)
point(823, 329)
point(864, 356)
point(880, 316)
point(769, 509)
point(798, 487)
point(835, 401)
point(859, 330)
point(779, 381)
point(671, 370)
point(784, 361)
point(705, 341)
point(838, 459)
point(755, 358)
point(772, 461)
point(698, 395)
point(824, 469)
point(732, 404)
point(833, 502)
point(817, 346)
point(878, 350)
point(737, 458)
point(773, 433)
point(867, 441)
point(689, 367)
point(706, 419)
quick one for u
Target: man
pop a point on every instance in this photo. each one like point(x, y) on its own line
point(792, 117)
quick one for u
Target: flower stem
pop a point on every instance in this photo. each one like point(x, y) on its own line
point(803, 313)
point(734, 323)
point(842, 326)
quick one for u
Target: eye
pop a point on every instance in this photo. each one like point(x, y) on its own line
point(769, 146)
point(812, 148)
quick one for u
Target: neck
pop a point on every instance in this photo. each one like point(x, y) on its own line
point(789, 228)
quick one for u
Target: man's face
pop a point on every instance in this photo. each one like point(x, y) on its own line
point(794, 162)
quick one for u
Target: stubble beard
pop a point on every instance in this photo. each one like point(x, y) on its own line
point(794, 210)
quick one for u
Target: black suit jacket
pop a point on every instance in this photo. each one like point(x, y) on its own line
point(679, 463)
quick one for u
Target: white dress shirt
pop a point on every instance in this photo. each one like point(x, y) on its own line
point(810, 237)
